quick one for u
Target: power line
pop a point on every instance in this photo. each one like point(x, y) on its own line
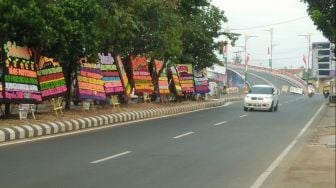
point(268, 25)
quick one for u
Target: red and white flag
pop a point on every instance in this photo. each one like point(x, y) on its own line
point(225, 49)
point(247, 58)
point(304, 59)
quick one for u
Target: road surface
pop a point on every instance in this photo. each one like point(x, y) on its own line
point(214, 148)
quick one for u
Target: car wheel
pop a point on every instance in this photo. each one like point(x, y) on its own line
point(245, 109)
point(276, 107)
point(271, 108)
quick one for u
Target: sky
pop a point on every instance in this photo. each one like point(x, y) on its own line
point(253, 18)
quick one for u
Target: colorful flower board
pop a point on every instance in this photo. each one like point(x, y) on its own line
point(185, 73)
point(51, 78)
point(176, 81)
point(141, 76)
point(1, 82)
point(162, 78)
point(111, 76)
point(20, 77)
point(123, 76)
point(90, 83)
point(201, 83)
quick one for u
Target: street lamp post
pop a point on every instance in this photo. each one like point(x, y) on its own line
point(271, 50)
point(223, 49)
point(245, 49)
point(308, 36)
point(225, 55)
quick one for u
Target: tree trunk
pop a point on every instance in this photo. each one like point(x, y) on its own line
point(67, 69)
point(68, 95)
point(7, 110)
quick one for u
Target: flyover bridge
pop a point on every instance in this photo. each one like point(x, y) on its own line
point(277, 73)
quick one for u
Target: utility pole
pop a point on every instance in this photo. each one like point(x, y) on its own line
point(271, 53)
point(226, 63)
point(245, 49)
point(308, 36)
point(271, 50)
point(223, 49)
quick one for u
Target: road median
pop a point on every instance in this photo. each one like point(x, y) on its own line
point(18, 132)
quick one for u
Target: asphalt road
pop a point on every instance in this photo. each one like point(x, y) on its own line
point(253, 78)
point(214, 148)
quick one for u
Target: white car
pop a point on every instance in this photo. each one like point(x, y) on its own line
point(261, 97)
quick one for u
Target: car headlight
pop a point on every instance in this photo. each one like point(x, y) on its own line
point(247, 97)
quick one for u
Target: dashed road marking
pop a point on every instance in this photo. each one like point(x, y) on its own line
point(182, 135)
point(111, 157)
point(243, 116)
point(219, 123)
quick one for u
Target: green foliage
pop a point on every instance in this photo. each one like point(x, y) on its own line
point(75, 29)
point(178, 31)
point(20, 21)
point(200, 29)
point(323, 14)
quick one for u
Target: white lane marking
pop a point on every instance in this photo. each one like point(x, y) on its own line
point(111, 157)
point(243, 115)
point(115, 124)
point(219, 123)
point(182, 135)
point(258, 183)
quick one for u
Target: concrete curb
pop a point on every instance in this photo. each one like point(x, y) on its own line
point(49, 128)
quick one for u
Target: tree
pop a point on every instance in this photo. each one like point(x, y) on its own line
point(202, 26)
point(160, 30)
point(19, 22)
point(118, 25)
point(75, 34)
point(323, 14)
point(65, 29)
point(180, 31)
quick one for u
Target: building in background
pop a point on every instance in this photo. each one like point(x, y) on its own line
point(322, 68)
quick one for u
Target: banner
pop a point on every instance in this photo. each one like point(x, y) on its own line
point(176, 81)
point(89, 81)
point(125, 82)
point(141, 76)
point(162, 82)
point(185, 73)
point(20, 80)
point(1, 82)
point(111, 76)
point(51, 78)
point(201, 82)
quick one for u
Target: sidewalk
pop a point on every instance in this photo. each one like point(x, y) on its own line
point(313, 165)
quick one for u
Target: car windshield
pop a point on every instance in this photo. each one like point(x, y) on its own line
point(261, 90)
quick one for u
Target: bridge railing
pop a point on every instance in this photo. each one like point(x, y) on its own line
point(281, 73)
